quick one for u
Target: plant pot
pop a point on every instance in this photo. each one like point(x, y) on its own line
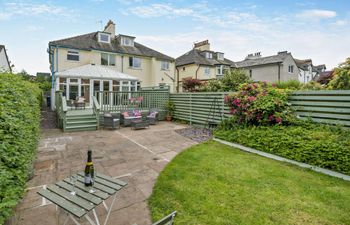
point(168, 118)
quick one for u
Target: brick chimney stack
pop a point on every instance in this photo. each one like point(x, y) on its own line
point(110, 28)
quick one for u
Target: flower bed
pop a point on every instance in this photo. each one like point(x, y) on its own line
point(19, 133)
point(315, 144)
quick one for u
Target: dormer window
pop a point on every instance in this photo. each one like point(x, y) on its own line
point(127, 41)
point(104, 37)
point(208, 55)
point(220, 56)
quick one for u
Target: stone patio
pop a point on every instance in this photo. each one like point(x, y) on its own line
point(133, 156)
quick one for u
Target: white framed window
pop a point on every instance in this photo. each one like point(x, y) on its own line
point(290, 69)
point(220, 56)
point(73, 55)
point(103, 37)
point(207, 71)
point(107, 59)
point(127, 41)
point(208, 55)
point(220, 70)
point(135, 62)
point(165, 65)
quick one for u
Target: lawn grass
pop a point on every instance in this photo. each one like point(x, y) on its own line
point(212, 183)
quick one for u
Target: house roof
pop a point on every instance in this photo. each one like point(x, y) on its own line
point(263, 60)
point(90, 42)
point(303, 63)
point(2, 47)
point(196, 56)
point(90, 71)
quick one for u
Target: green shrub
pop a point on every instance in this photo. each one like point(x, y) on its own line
point(233, 79)
point(259, 103)
point(341, 78)
point(19, 133)
point(312, 85)
point(315, 144)
point(289, 84)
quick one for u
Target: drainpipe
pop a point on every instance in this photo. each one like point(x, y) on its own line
point(122, 64)
point(197, 70)
point(178, 82)
point(279, 72)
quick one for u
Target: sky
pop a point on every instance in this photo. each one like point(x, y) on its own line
point(319, 30)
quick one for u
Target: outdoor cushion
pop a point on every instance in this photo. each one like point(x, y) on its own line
point(133, 117)
point(125, 114)
point(137, 112)
point(107, 115)
point(152, 114)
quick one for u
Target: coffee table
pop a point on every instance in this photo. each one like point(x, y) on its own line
point(139, 124)
point(84, 202)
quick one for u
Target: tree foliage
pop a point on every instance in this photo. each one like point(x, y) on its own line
point(341, 78)
point(191, 84)
point(232, 79)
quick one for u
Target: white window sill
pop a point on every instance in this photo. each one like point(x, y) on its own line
point(74, 61)
point(135, 68)
point(165, 69)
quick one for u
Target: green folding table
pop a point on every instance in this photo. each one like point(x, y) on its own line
point(83, 202)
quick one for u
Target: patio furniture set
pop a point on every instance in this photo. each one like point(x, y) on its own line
point(135, 119)
point(79, 202)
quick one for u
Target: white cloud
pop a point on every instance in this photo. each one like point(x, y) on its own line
point(30, 9)
point(159, 10)
point(317, 14)
point(32, 28)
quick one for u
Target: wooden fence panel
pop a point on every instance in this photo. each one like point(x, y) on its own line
point(332, 107)
point(198, 108)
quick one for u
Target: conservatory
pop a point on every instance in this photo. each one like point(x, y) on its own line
point(85, 81)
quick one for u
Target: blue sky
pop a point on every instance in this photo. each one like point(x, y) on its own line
point(319, 30)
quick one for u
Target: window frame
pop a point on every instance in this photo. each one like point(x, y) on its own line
point(130, 40)
point(291, 69)
point(167, 67)
point(220, 56)
point(132, 62)
point(103, 41)
point(109, 56)
point(207, 71)
point(208, 55)
point(221, 68)
point(73, 53)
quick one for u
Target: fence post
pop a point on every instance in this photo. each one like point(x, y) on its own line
point(190, 108)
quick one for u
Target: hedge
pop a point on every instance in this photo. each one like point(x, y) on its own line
point(315, 144)
point(19, 134)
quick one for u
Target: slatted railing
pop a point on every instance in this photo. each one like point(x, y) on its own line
point(196, 107)
point(123, 100)
point(331, 107)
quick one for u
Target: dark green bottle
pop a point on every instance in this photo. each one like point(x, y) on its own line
point(89, 170)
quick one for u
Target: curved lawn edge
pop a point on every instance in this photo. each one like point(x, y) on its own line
point(282, 159)
point(212, 183)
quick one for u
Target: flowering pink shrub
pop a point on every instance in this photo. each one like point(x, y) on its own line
point(259, 103)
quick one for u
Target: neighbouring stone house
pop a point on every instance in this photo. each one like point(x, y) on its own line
point(201, 63)
point(280, 67)
point(106, 61)
point(4, 60)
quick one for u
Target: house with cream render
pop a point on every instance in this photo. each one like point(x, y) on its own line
point(201, 63)
point(106, 61)
point(4, 60)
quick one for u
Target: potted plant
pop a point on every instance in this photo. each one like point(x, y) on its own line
point(170, 107)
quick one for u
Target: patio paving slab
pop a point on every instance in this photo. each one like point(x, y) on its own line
point(135, 156)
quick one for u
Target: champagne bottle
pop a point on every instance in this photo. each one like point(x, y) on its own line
point(89, 170)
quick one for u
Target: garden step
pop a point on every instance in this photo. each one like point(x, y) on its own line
point(82, 127)
point(82, 121)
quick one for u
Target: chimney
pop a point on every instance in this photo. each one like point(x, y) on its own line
point(282, 52)
point(254, 56)
point(202, 45)
point(110, 28)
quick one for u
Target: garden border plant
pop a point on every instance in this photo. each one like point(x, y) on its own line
point(19, 134)
point(263, 120)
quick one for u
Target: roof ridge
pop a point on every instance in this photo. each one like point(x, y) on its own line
point(77, 36)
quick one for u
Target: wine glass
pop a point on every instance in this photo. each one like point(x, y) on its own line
point(73, 179)
point(92, 190)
